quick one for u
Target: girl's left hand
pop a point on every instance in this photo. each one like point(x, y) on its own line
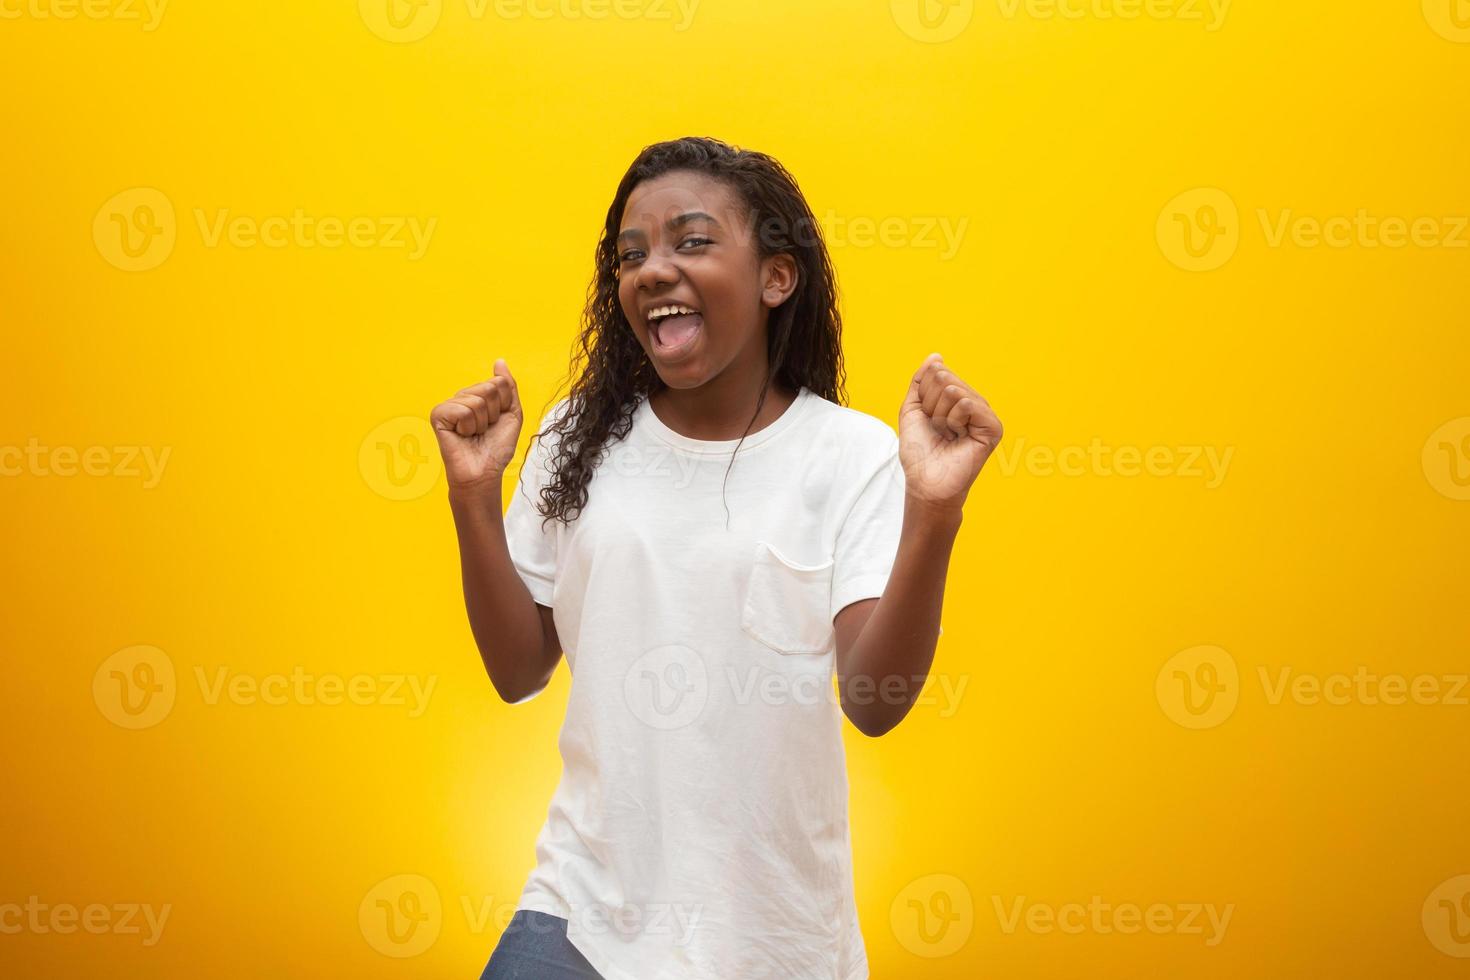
point(946, 432)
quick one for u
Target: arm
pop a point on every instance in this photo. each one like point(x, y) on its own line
point(477, 431)
point(885, 646)
point(515, 635)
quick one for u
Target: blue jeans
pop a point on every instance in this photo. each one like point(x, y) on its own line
point(534, 946)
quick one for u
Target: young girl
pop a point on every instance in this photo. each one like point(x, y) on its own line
point(708, 533)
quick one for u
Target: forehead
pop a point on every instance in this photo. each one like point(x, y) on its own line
point(654, 203)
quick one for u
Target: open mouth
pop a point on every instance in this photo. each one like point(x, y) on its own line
point(674, 328)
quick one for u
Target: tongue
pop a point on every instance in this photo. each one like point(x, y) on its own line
point(674, 330)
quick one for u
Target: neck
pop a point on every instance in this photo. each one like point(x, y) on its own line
point(720, 408)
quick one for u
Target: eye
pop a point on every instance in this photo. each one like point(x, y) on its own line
point(629, 256)
point(697, 241)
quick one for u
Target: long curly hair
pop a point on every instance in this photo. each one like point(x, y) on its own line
point(612, 371)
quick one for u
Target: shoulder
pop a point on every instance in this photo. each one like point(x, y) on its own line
point(856, 432)
point(556, 412)
point(549, 417)
point(543, 444)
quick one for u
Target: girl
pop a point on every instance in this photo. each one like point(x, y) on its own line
point(700, 825)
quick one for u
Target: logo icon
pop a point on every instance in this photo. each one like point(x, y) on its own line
point(401, 916)
point(1449, 18)
point(667, 687)
point(135, 687)
point(933, 916)
point(1446, 459)
point(933, 21)
point(1199, 230)
point(401, 21)
point(136, 229)
point(1198, 687)
point(1446, 916)
point(399, 460)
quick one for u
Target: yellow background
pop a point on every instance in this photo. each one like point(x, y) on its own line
point(1334, 540)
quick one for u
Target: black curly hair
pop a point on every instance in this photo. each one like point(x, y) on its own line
point(612, 370)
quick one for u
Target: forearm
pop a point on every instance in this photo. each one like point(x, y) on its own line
point(503, 616)
point(884, 670)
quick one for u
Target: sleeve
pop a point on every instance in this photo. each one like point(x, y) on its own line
point(533, 550)
point(868, 535)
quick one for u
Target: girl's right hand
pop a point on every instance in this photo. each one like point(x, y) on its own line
point(477, 431)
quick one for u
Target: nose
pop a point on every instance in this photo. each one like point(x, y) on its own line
point(655, 271)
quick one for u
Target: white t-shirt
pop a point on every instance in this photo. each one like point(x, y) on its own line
point(699, 829)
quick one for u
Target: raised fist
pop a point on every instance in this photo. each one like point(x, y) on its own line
point(477, 431)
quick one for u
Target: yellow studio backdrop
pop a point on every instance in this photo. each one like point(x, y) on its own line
point(1200, 705)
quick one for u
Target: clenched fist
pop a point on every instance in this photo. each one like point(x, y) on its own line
point(477, 431)
point(946, 432)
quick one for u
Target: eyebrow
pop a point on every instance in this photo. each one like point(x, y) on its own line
point(673, 223)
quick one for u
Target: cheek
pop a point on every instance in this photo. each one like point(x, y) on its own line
point(626, 302)
point(729, 296)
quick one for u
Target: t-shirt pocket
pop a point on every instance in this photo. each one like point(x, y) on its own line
point(786, 604)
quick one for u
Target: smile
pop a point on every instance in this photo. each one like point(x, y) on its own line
point(674, 328)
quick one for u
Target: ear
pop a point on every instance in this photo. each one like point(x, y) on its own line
point(779, 277)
